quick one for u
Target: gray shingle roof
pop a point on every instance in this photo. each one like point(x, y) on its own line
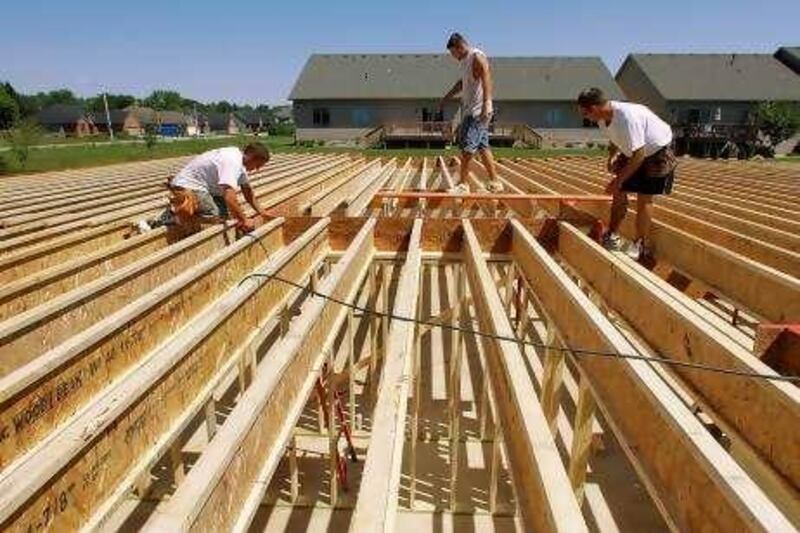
point(59, 114)
point(429, 76)
point(789, 56)
point(733, 77)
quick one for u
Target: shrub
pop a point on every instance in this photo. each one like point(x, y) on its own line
point(20, 139)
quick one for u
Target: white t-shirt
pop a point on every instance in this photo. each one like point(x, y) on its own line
point(209, 170)
point(634, 126)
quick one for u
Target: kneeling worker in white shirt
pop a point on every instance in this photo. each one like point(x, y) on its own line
point(640, 157)
point(207, 187)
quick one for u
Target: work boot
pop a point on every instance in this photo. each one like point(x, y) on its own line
point(611, 241)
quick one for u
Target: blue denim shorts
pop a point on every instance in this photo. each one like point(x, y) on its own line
point(473, 135)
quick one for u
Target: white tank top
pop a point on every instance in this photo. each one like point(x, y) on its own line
point(471, 88)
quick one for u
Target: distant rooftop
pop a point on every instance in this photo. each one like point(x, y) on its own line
point(429, 76)
point(735, 77)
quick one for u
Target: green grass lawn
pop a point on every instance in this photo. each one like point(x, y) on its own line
point(67, 157)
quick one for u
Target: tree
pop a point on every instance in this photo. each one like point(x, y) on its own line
point(60, 96)
point(115, 101)
point(9, 109)
point(163, 100)
point(776, 122)
point(26, 134)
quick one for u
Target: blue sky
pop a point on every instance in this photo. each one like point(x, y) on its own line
point(252, 51)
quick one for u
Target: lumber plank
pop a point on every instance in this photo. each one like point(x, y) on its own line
point(694, 482)
point(35, 289)
point(61, 483)
point(224, 489)
point(37, 397)
point(22, 262)
point(543, 489)
point(31, 333)
point(376, 508)
point(761, 289)
point(758, 409)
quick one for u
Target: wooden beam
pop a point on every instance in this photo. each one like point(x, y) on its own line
point(39, 287)
point(542, 487)
point(759, 288)
point(675, 457)
point(37, 397)
point(31, 333)
point(224, 489)
point(360, 200)
point(376, 508)
point(114, 439)
point(758, 409)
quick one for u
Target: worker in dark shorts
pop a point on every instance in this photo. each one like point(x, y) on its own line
point(475, 87)
point(641, 159)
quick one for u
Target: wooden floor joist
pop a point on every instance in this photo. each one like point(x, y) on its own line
point(376, 509)
point(675, 456)
point(144, 384)
point(38, 396)
point(60, 485)
point(223, 491)
point(757, 408)
point(545, 495)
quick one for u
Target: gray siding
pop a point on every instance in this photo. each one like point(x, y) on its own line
point(373, 113)
point(540, 114)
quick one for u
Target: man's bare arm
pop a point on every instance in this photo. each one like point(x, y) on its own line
point(250, 196)
point(480, 69)
point(612, 153)
point(235, 209)
point(454, 90)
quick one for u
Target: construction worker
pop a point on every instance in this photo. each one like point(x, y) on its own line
point(475, 87)
point(207, 187)
point(641, 159)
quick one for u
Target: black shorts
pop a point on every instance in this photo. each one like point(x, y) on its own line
point(655, 176)
point(641, 183)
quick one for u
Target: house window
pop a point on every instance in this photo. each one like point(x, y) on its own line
point(693, 116)
point(322, 117)
point(432, 115)
point(553, 118)
point(717, 114)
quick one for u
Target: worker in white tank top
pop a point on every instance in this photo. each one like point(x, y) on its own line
point(475, 87)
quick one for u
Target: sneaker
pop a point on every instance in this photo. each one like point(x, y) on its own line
point(461, 188)
point(612, 242)
point(495, 186)
point(638, 251)
point(143, 226)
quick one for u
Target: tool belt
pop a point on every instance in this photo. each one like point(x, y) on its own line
point(183, 202)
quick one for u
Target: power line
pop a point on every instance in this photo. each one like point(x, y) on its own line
point(576, 351)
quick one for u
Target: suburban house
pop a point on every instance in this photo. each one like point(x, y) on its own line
point(227, 123)
point(707, 88)
point(66, 120)
point(135, 120)
point(347, 96)
point(710, 99)
point(253, 121)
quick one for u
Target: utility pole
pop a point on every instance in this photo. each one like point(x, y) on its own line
point(108, 117)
